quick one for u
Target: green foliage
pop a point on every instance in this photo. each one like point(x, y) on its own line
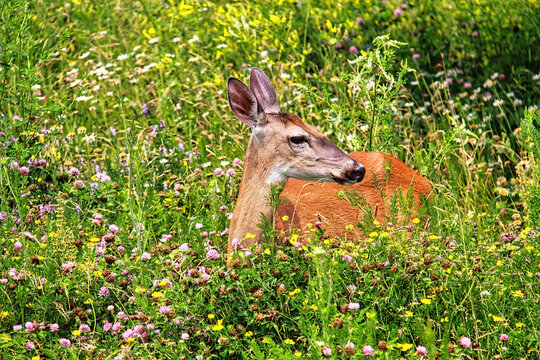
point(119, 174)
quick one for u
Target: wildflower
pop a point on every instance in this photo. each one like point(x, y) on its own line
point(30, 326)
point(504, 337)
point(464, 342)
point(146, 256)
point(352, 50)
point(467, 85)
point(398, 12)
point(54, 327)
point(164, 310)
point(326, 351)
point(212, 254)
point(421, 351)
point(17, 246)
point(518, 102)
point(113, 228)
point(74, 171)
point(104, 292)
point(128, 334)
point(498, 102)
point(416, 221)
point(64, 342)
point(367, 350)
point(353, 305)
point(416, 56)
point(218, 171)
point(30, 346)
point(185, 336)
point(474, 34)
point(231, 172)
point(426, 301)
point(219, 326)
point(347, 258)
point(24, 171)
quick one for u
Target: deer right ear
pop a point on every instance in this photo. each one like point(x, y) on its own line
point(243, 102)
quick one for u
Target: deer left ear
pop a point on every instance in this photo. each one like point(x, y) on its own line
point(261, 86)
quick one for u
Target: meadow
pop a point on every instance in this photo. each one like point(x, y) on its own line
point(120, 163)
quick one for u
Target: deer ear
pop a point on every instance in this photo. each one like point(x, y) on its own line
point(261, 86)
point(243, 102)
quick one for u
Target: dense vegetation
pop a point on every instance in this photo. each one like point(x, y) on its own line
point(120, 163)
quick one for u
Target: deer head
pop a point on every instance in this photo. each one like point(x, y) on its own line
point(282, 146)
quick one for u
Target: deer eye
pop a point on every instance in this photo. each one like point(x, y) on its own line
point(297, 140)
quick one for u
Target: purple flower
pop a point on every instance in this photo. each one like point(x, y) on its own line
point(113, 228)
point(421, 351)
point(84, 327)
point(416, 56)
point(74, 171)
point(218, 171)
point(212, 254)
point(17, 327)
point(146, 256)
point(347, 257)
point(230, 172)
point(30, 326)
point(464, 342)
point(504, 337)
point(145, 109)
point(64, 342)
point(398, 12)
point(107, 326)
point(353, 305)
point(17, 246)
point(467, 85)
point(326, 351)
point(128, 334)
point(30, 346)
point(360, 21)
point(449, 81)
point(104, 292)
point(54, 327)
point(164, 310)
point(474, 34)
point(353, 50)
point(24, 171)
point(367, 350)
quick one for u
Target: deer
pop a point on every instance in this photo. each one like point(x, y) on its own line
point(285, 152)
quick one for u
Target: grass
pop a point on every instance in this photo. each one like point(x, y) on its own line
point(120, 164)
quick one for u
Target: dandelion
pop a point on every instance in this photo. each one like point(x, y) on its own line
point(219, 326)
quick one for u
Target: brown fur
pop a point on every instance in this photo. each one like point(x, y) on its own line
point(307, 202)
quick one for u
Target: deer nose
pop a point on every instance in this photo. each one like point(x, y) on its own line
point(358, 172)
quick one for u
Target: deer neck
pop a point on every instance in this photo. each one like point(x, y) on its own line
point(253, 198)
